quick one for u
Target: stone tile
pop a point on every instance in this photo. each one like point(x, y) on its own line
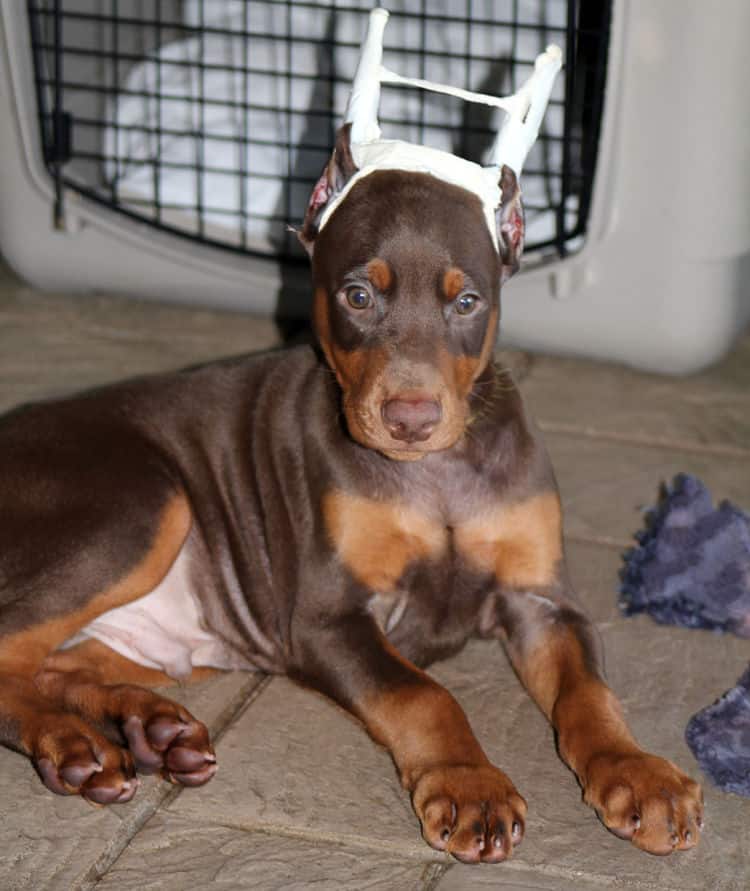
point(709, 409)
point(175, 853)
point(53, 842)
point(55, 344)
point(512, 877)
point(297, 762)
point(662, 675)
point(595, 576)
point(297, 765)
point(606, 486)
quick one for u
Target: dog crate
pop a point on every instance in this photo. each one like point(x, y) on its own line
point(161, 149)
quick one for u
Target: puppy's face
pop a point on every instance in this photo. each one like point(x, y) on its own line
point(406, 309)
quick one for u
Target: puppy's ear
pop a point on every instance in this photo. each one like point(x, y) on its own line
point(510, 223)
point(334, 177)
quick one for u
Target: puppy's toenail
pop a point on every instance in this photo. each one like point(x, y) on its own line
point(498, 843)
point(674, 839)
point(516, 829)
point(445, 834)
point(688, 835)
point(636, 821)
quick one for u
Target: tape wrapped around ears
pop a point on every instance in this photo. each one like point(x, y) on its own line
point(365, 152)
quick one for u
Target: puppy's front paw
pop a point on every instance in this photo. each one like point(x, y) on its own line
point(474, 813)
point(645, 799)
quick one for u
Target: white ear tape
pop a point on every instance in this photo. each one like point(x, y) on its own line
point(518, 131)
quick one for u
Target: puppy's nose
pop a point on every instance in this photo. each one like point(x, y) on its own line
point(411, 420)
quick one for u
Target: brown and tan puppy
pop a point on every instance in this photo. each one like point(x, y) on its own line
point(344, 516)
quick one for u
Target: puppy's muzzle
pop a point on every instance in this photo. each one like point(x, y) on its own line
point(411, 420)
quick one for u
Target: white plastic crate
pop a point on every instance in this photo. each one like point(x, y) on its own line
point(662, 278)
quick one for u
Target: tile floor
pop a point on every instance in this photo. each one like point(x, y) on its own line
point(303, 798)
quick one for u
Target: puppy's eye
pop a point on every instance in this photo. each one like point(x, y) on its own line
point(358, 297)
point(465, 304)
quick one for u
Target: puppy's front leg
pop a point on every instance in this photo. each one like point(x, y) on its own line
point(638, 796)
point(466, 805)
point(554, 650)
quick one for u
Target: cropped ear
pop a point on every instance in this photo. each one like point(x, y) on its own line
point(334, 177)
point(510, 223)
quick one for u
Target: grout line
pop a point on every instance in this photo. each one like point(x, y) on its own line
point(237, 706)
point(652, 442)
point(432, 875)
point(130, 828)
point(418, 851)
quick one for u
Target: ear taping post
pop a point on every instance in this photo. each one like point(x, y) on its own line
point(523, 113)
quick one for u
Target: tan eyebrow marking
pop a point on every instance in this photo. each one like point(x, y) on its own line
point(453, 282)
point(380, 274)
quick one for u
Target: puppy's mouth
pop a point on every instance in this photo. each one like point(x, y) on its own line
point(405, 427)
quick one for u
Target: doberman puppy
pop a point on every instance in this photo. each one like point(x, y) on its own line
point(344, 515)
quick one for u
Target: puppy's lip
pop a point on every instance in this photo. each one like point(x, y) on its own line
point(408, 451)
point(403, 454)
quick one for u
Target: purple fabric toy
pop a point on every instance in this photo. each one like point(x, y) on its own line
point(692, 568)
point(719, 737)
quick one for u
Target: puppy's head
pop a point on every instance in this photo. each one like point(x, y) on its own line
point(407, 282)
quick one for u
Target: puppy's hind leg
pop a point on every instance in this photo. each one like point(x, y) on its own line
point(106, 689)
point(44, 602)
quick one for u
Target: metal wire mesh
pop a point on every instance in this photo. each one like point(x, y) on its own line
point(213, 119)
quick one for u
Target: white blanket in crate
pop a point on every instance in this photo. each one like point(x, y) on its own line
point(181, 73)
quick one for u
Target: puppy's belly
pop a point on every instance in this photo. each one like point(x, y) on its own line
point(165, 629)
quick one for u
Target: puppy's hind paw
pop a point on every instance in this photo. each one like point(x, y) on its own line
point(175, 744)
point(74, 759)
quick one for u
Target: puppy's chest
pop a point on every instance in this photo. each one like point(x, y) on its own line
point(409, 557)
point(420, 563)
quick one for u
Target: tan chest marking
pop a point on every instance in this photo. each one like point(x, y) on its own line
point(377, 540)
point(521, 542)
